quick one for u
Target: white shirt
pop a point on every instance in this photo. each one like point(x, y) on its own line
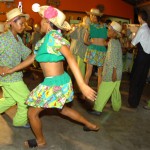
point(143, 37)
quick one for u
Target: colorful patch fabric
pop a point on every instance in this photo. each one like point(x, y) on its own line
point(53, 92)
point(113, 60)
point(95, 54)
point(95, 57)
point(12, 52)
point(47, 49)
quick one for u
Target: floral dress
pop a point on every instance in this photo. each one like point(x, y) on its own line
point(95, 54)
point(54, 91)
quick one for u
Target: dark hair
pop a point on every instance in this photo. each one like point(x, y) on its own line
point(108, 21)
point(98, 18)
point(101, 8)
point(78, 18)
point(53, 26)
point(143, 14)
point(18, 18)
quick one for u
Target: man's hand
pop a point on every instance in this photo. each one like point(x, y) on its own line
point(114, 75)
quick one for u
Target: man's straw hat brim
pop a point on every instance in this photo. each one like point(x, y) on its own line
point(95, 12)
point(16, 13)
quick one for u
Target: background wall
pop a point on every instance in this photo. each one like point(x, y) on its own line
point(117, 8)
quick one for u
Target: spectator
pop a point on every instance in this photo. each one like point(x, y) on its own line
point(95, 37)
point(112, 73)
point(142, 61)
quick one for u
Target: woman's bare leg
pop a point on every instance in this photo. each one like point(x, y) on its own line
point(77, 117)
point(100, 69)
point(36, 125)
point(88, 74)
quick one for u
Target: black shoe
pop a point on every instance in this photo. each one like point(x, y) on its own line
point(133, 107)
point(146, 107)
point(87, 129)
point(94, 112)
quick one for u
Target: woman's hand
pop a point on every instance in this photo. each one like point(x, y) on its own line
point(4, 71)
point(88, 92)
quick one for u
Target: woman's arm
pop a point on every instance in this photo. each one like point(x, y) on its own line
point(86, 90)
point(28, 61)
point(86, 38)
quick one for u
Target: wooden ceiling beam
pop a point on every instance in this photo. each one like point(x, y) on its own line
point(129, 2)
point(143, 4)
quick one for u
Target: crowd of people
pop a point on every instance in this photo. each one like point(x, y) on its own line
point(93, 43)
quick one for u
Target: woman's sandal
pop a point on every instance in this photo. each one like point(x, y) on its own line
point(85, 128)
point(32, 143)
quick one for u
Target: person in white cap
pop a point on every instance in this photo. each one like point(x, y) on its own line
point(112, 73)
point(56, 90)
point(12, 52)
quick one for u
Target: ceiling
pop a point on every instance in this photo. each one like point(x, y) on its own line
point(140, 4)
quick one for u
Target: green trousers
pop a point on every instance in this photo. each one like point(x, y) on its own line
point(15, 93)
point(148, 103)
point(105, 91)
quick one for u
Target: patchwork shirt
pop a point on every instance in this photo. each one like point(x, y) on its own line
point(47, 49)
point(113, 60)
point(12, 52)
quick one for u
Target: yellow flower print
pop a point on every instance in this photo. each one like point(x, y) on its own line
point(48, 93)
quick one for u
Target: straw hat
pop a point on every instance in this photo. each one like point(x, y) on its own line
point(95, 11)
point(53, 15)
point(116, 26)
point(15, 13)
point(27, 27)
point(1, 27)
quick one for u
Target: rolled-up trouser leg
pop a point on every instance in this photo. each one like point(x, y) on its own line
point(16, 93)
point(104, 92)
point(116, 97)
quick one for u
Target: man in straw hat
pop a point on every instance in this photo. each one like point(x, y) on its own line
point(56, 89)
point(12, 52)
point(112, 73)
point(96, 50)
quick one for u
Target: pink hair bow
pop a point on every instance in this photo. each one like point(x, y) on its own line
point(50, 12)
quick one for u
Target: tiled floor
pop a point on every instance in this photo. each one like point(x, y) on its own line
point(123, 130)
